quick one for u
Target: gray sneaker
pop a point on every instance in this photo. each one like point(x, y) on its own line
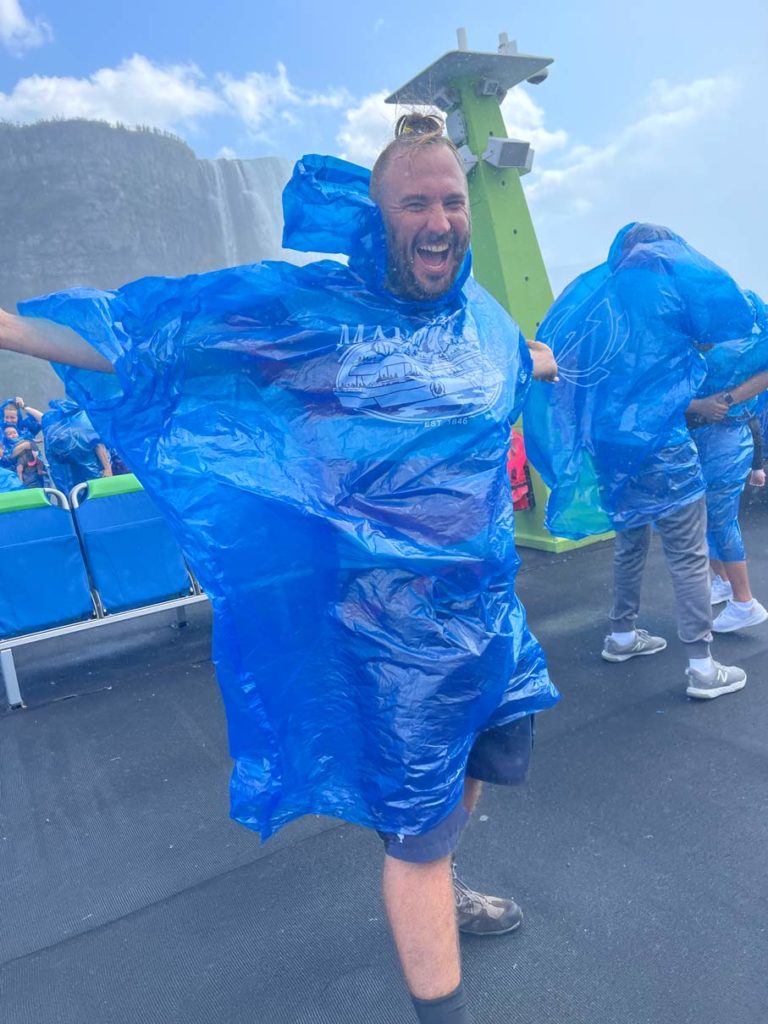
point(643, 643)
point(484, 915)
point(722, 679)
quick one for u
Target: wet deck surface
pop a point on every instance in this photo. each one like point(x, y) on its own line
point(638, 850)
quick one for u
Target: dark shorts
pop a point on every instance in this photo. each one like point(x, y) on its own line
point(500, 756)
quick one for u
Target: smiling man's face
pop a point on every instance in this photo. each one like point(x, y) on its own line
point(423, 199)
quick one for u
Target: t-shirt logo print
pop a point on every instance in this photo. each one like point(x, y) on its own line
point(433, 373)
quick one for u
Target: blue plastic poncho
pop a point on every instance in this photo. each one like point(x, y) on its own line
point(332, 459)
point(70, 442)
point(610, 439)
point(27, 425)
point(725, 450)
point(9, 480)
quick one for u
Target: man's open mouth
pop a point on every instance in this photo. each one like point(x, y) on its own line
point(434, 255)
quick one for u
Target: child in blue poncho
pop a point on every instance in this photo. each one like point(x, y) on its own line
point(25, 456)
point(329, 443)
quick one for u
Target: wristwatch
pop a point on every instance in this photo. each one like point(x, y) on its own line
point(728, 398)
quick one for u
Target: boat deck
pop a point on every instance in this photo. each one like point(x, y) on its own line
point(638, 850)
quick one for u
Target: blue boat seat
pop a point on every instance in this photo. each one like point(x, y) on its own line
point(43, 582)
point(131, 554)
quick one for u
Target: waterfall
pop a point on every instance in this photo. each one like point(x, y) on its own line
point(246, 198)
point(217, 194)
point(84, 203)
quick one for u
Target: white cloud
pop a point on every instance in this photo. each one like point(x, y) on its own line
point(624, 168)
point(524, 119)
point(259, 96)
point(262, 98)
point(135, 92)
point(664, 166)
point(18, 33)
point(171, 97)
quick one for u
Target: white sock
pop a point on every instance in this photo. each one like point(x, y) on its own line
point(624, 639)
point(744, 606)
point(702, 664)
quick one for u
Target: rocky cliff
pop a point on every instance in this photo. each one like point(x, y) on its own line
point(84, 203)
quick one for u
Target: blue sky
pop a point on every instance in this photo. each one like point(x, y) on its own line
point(652, 111)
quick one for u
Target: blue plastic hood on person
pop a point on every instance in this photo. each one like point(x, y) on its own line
point(332, 460)
point(625, 335)
point(27, 426)
point(70, 440)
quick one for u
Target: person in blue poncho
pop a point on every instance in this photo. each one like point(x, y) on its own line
point(74, 449)
point(611, 439)
point(25, 454)
point(16, 413)
point(329, 443)
point(725, 429)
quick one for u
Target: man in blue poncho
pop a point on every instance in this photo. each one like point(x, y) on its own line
point(612, 442)
point(329, 443)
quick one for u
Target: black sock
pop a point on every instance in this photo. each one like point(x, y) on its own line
point(450, 1009)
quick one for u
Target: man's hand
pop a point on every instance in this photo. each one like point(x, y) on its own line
point(712, 408)
point(19, 401)
point(757, 478)
point(544, 364)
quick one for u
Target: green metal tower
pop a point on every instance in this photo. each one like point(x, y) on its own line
point(469, 87)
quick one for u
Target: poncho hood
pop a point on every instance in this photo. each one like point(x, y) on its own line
point(327, 209)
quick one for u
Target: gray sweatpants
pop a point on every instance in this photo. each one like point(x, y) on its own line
point(684, 540)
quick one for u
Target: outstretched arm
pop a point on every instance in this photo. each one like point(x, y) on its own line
point(46, 340)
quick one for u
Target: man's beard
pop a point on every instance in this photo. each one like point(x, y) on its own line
point(401, 277)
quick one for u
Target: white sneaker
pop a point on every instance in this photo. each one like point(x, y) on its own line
point(721, 590)
point(722, 679)
point(732, 617)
